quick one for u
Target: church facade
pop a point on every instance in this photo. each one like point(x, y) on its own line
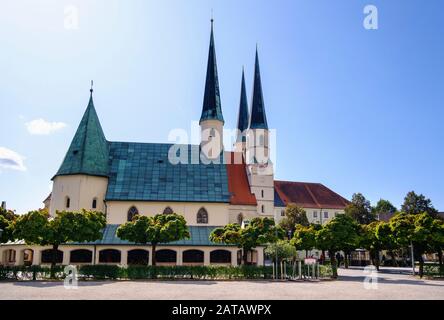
point(124, 179)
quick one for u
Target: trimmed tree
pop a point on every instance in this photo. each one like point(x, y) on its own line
point(7, 218)
point(385, 235)
point(284, 250)
point(260, 231)
point(369, 240)
point(338, 234)
point(162, 228)
point(304, 238)
point(39, 228)
point(360, 209)
point(294, 215)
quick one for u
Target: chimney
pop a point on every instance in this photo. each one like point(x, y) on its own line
point(4, 205)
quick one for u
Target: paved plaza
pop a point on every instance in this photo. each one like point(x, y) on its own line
point(392, 284)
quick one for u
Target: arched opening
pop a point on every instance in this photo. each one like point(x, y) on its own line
point(193, 257)
point(94, 203)
point(28, 255)
point(132, 212)
point(263, 209)
point(202, 216)
point(48, 254)
point(80, 256)
point(67, 202)
point(240, 218)
point(9, 256)
point(166, 256)
point(109, 256)
point(220, 257)
point(138, 257)
point(168, 210)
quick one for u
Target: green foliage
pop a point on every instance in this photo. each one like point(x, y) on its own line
point(339, 234)
point(6, 227)
point(384, 206)
point(260, 231)
point(360, 209)
point(418, 204)
point(113, 272)
point(304, 238)
point(294, 215)
point(38, 228)
point(284, 250)
point(162, 228)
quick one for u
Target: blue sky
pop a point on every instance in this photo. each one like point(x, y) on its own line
point(357, 110)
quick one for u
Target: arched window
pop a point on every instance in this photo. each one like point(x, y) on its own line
point(240, 218)
point(48, 254)
point(193, 256)
point(220, 256)
point(132, 212)
point(282, 213)
point(109, 256)
point(94, 203)
point(68, 202)
point(261, 140)
point(166, 256)
point(138, 257)
point(168, 210)
point(263, 209)
point(202, 216)
point(80, 256)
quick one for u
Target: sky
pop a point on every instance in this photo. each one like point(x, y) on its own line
point(355, 109)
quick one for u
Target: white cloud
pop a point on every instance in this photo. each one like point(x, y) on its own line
point(43, 127)
point(11, 160)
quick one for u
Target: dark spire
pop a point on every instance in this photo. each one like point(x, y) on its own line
point(212, 109)
point(258, 119)
point(242, 120)
point(88, 153)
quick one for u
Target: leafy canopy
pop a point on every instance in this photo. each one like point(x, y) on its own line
point(294, 215)
point(418, 204)
point(360, 209)
point(162, 228)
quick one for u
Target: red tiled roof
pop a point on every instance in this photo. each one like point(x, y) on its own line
point(238, 184)
point(309, 195)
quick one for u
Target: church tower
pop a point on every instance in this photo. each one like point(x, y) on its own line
point(211, 120)
point(82, 179)
point(260, 168)
point(242, 120)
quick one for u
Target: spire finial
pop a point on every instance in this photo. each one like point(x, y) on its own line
point(92, 84)
point(212, 18)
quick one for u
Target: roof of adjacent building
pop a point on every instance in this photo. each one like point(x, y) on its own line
point(212, 108)
point(309, 195)
point(238, 184)
point(88, 152)
point(199, 236)
point(144, 172)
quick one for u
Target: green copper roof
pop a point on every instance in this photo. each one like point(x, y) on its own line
point(242, 120)
point(258, 118)
point(143, 172)
point(199, 236)
point(89, 150)
point(212, 109)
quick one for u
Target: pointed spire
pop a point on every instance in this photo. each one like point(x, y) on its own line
point(89, 152)
point(242, 120)
point(258, 119)
point(212, 109)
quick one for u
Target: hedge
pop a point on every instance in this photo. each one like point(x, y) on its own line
point(113, 272)
point(433, 270)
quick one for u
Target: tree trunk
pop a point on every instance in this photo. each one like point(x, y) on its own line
point(346, 259)
point(374, 255)
point(55, 247)
point(153, 252)
point(306, 253)
point(421, 265)
point(245, 256)
point(333, 264)
point(440, 258)
point(393, 257)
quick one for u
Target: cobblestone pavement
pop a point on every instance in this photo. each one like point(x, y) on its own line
point(392, 284)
